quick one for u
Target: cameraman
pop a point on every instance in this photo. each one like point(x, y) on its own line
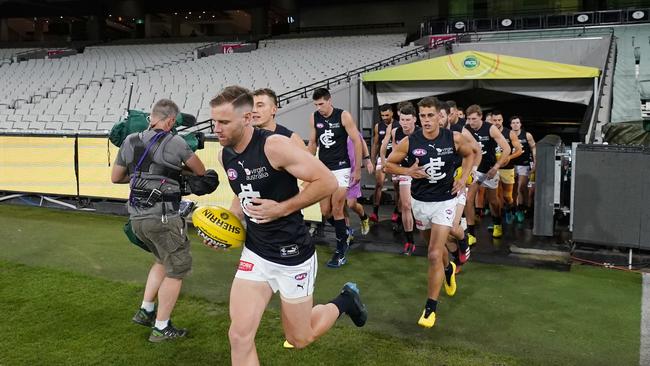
point(152, 162)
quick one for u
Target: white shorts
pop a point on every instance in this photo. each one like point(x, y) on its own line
point(522, 170)
point(485, 181)
point(293, 282)
point(378, 164)
point(342, 176)
point(439, 213)
point(462, 197)
point(404, 180)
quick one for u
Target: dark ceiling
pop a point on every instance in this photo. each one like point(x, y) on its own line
point(43, 8)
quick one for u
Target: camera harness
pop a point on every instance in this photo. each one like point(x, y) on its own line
point(147, 198)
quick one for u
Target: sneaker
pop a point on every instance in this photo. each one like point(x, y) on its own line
point(145, 318)
point(374, 218)
point(520, 216)
point(463, 255)
point(287, 345)
point(497, 232)
point(394, 217)
point(427, 321)
point(350, 239)
point(359, 314)
point(450, 288)
point(169, 333)
point(365, 226)
point(471, 239)
point(509, 217)
point(412, 249)
point(337, 260)
point(407, 249)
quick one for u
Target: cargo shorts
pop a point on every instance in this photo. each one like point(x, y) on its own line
point(168, 243)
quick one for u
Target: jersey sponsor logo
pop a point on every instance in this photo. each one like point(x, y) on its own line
point(257, 173)
point(326, 139)
point(432, 168)
point(289, 251)
point(245, 266)
point(300, 277)
point(419, 152)
point(320, 125)
point(232, 174)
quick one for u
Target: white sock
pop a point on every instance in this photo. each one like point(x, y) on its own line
point(161, 324)
point(148, 306)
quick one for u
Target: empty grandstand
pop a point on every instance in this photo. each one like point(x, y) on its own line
point(88, 92)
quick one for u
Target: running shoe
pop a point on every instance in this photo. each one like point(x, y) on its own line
point(167, 334)
point(144, 317)
point(471, 239)
point(450, 287)
point(374, 218)
point(497, 232)
point(365, 226)
point(338, 260)
point(427, 320)
point(407, 249)
point(358, 313)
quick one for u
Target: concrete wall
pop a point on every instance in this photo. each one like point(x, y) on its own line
point(577, 51)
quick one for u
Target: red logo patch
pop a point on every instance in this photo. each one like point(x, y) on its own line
point(300, 277)
point(245, 266)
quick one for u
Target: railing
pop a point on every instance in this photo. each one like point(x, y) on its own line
point(303, 91)
point(553, 18)
point(535, 34)
point(591, 130)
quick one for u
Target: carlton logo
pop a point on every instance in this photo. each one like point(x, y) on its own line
point(470, 62)
point(300, 277)
point(419, 152)
point(232, 174)
point(245, 266)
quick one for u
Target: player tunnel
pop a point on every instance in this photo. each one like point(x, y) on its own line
point(552, 95)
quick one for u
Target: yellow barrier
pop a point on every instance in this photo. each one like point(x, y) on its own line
point(40, 164)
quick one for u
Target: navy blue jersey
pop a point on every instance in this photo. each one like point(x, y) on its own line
point(285, 240)
point(506, 135)
point(458, 126)
point(527, 156)
point(399, 136)
point(332, 140)
point(488, 145)
point(438, 158)
point(281, 130)
point(382, 129)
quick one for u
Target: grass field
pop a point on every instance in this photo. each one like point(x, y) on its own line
point(70, 282)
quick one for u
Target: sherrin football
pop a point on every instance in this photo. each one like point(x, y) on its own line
point(219, 227)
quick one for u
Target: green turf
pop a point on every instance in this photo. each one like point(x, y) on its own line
point(500, 315)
